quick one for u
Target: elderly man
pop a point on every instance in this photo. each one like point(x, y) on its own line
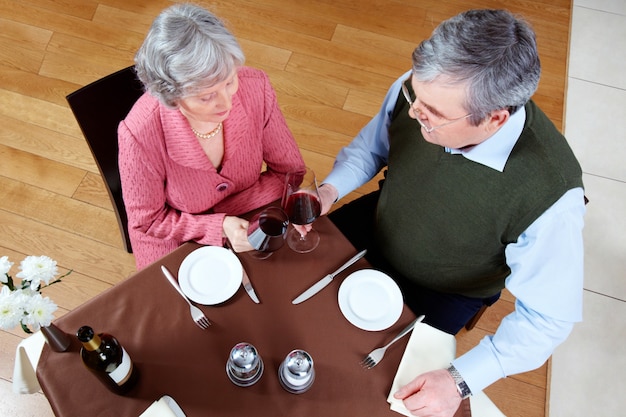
point(481, 192)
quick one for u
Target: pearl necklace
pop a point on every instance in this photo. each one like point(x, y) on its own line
point(207, 135)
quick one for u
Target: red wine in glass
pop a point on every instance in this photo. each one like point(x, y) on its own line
point(302, 204)
point(266, 231)
point(303, 208)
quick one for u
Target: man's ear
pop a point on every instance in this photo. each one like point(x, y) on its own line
point(496, 120)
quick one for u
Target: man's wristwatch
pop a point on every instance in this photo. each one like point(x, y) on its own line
point(461, 386)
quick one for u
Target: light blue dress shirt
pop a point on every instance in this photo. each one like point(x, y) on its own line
point(546, 261)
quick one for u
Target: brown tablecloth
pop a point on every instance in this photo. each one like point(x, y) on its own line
point(177, 358)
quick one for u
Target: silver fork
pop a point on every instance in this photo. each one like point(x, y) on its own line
point(377, 355)
point(197, 314)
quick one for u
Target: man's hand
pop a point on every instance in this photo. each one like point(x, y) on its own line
point(433, 394)
point(328, 194)
point(236, 231)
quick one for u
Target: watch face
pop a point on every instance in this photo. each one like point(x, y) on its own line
point(464, 390)
point(461, 386)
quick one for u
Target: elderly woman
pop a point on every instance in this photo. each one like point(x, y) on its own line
point(193, 147)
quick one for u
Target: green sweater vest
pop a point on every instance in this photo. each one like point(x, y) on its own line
point(444, 221)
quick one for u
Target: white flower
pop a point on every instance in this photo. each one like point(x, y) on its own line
point(39, 311)
point(5, 267)
point(37, 269)
point(22, 303)
point(11, 308)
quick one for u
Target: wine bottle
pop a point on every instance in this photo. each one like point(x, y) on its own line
point(103, 355)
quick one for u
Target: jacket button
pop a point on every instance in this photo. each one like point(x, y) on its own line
point(222, 187)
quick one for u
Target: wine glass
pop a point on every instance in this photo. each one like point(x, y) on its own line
point(301, 202)
point(266, 231)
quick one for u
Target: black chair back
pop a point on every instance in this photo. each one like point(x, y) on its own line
point(98, 108)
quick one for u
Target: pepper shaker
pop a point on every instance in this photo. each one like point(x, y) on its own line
point(296, 373)
point(244, 366)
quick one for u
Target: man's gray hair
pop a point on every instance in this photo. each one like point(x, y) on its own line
point(186, 49)
point(492, 51)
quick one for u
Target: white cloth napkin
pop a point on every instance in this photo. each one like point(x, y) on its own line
point(429, 349)
point(26, 359)
point(164, 407)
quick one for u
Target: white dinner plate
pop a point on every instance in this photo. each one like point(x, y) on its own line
point(370, 300)
point(210, 275)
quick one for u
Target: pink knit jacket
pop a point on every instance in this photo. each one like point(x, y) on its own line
point(172, 192)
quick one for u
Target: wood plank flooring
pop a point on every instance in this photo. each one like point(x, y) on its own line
point(331, 62)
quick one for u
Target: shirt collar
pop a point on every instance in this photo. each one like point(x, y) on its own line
point(495, 151)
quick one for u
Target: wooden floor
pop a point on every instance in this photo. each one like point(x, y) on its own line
point(331, 62)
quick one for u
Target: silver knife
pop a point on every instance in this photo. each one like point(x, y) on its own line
point(319, 285)
point(247, 285)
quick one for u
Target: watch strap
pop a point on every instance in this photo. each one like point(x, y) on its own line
point(461, 385)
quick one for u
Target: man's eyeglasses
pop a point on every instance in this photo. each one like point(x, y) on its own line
point(418, 112)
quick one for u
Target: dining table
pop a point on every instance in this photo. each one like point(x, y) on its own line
point(177, 358)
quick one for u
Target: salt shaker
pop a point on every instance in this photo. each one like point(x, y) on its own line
point(296, 373)
point(244, 366)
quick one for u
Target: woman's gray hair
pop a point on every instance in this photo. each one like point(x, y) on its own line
point(492, 51)
point(187, 49)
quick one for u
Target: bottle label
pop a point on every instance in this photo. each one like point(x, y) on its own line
point(122, 373)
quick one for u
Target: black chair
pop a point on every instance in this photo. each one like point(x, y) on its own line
point(98, 108)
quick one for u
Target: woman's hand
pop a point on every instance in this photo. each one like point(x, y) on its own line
point(235, 230)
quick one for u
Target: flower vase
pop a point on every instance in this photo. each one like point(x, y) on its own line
point(57, 339)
